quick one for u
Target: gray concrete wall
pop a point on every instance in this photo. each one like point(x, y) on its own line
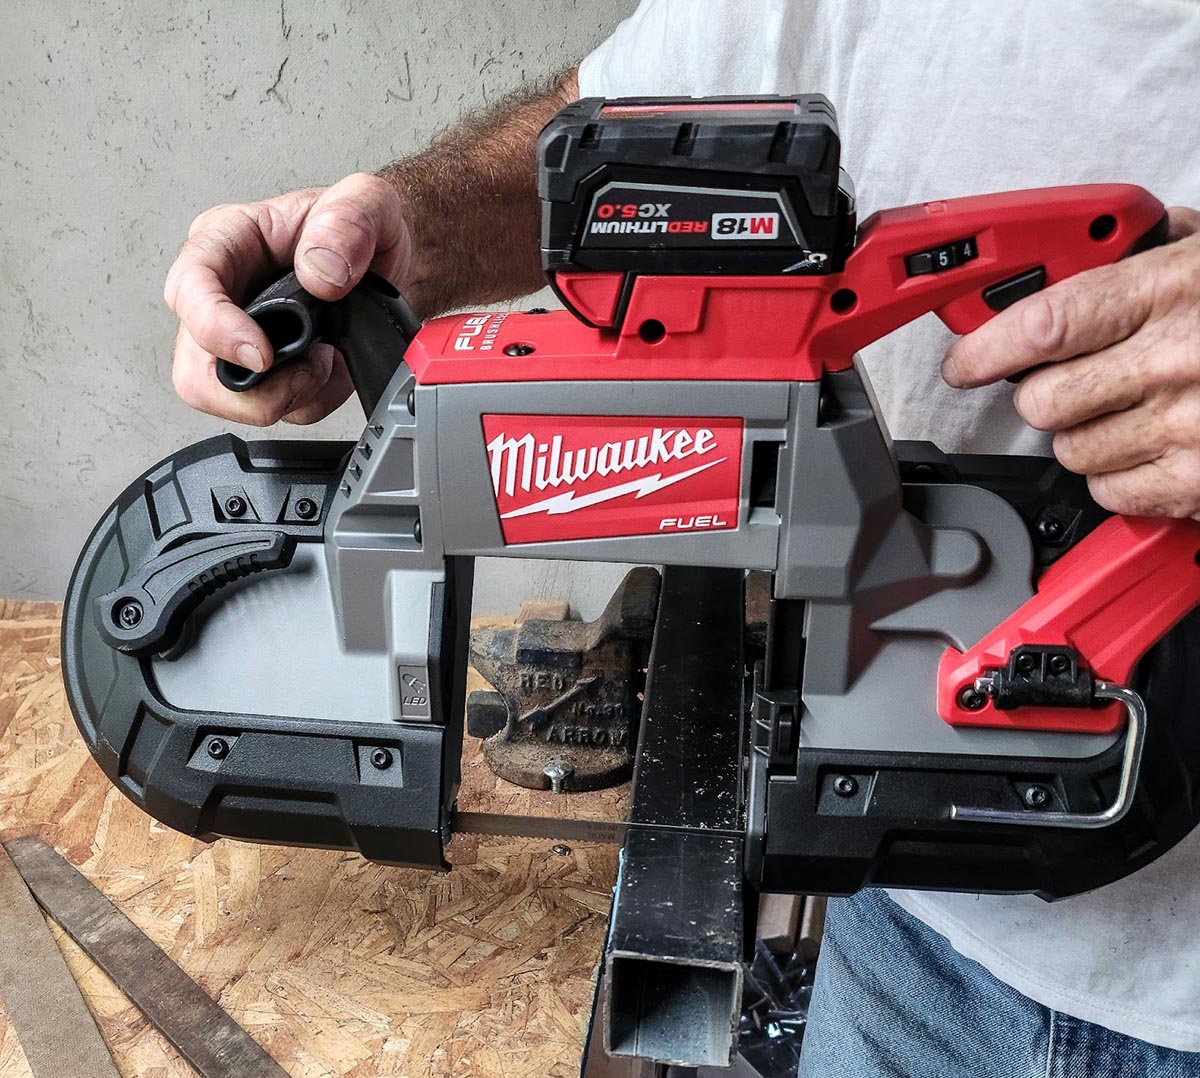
point(119, 122)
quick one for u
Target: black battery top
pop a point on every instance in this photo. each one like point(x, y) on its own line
point(674, 185)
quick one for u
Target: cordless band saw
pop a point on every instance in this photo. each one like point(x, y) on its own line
point(974, 677)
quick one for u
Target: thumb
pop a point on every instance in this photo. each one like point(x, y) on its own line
point(353, 222)
point(1184, 222)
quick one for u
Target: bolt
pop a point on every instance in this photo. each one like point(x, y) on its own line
point(417, 529)
point(235, 505)
point(1026, 663)
point(518, 349)
point(411, 402)
point(558, 771)
point(845, 786)
point(1050, 529)
point(559, 849)
point(218, 748)
point(129, 613)
point(971, 698)
point(1059, 664)
point(1036, 797)
point(381, 759)
point(306, 508)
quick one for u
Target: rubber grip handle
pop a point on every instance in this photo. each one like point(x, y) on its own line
point(1155, 236)
point(371, 326)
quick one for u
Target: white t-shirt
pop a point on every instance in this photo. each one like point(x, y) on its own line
point(959, 97)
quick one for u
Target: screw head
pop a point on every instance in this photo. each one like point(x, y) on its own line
point(971, 698)
point(1059, 664)
point(1049, 528)
point(518, 349)
point(235, 505)
point(381, 759)
point(417, 529)
point(128, 613)
point(306, 508)
point(1026, 663)
point(1036, 797)
point(560, 849)
point(537, 310)
point(218, 748)
point(845, 786)
point(410, 402)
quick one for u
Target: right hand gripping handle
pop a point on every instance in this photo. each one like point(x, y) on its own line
point(371, 326)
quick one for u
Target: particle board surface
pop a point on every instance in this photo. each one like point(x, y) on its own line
point(335, 965)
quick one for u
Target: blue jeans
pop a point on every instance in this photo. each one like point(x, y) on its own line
point(893, 998)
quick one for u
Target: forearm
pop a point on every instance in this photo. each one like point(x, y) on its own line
point(471, 204)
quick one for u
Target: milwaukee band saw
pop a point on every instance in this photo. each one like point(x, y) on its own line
point(974, 677)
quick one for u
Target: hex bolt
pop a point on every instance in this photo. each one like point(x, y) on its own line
point(1036, 797)
point(381, 759)
point(971, 698)
point(410, 402)
point(558, 771)
point(845, 786)
point(1050, 529)
point(518, 349)
point(218, 748)
point(1026, 663)
point(1059, 664)
point(129, 613)
point(306, 508)
point(235, 505)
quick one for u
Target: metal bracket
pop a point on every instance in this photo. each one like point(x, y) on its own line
point(1135, 736)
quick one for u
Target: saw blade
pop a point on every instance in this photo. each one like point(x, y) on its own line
point(573, 830)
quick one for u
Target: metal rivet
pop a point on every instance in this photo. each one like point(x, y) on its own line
point(381, 759)
point(218, 748)
point(1036, 797)
point(128, 613)
point(845, 786)
point(1049, 528)
point(235, 505)
point(971, 698)
point(306, 508)
point(518, 349)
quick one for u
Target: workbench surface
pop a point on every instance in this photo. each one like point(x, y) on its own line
point(335, 965)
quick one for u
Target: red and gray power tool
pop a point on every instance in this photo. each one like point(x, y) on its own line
point(973, 676)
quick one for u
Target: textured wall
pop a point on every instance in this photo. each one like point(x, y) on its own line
point(120, 122)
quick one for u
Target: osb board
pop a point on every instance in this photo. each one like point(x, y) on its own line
point(335, 965)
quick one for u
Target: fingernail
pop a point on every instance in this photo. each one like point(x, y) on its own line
point(249, 356)
point(328, 265)
point(950, 372)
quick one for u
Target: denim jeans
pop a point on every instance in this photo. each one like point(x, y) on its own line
point(893, 998)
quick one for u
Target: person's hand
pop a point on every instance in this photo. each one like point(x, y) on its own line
point(332, 236)
point(1120, 387)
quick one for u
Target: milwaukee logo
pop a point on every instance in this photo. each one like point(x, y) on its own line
point(613, 475)
point(526, 463)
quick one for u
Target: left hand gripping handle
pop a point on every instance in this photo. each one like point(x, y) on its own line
point(371, 326)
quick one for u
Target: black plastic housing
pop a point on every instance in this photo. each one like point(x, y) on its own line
point(675, 185)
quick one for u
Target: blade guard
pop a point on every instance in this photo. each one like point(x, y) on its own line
point(1110, 597)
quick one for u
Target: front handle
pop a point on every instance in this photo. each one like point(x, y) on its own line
point(371, 326)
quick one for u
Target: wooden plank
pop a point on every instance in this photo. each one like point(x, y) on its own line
point(338, 967)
